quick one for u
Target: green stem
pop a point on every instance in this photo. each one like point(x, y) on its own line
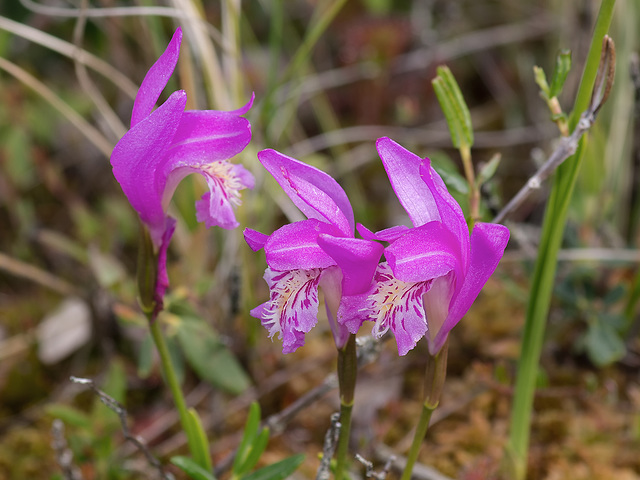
point(172, 381)
point(347, 373)
point(543, 279)
point(434, 381)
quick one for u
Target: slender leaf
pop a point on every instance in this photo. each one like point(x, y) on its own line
point(200, 441)
point(257, 448)
point(248, 437)
point(191, 468)
point(69, 415)
point(563, 65)
point(277, 471)
point(488, 170)
point(541, 80)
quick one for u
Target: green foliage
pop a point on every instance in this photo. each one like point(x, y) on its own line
point(277, 471)
point(205, 352)
point(200, 446)
point(192, 468)
point(454, 108)
point(254, 441)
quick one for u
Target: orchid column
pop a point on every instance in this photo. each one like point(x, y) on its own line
point(303, 256)
point(433, 273)
point(161, 148)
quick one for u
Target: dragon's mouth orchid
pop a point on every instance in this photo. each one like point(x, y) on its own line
point(318, 252)
point(166, 144)
point(435, 270)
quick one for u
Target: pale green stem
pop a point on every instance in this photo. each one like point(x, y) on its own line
point(543, 278)
point(347, 373)
point(434, 381)
point(174, 386)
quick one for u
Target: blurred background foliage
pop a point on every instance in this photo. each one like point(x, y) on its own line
point(329, 78)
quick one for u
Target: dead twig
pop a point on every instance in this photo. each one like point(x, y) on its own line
point(329, 447)
point(119, 409)
point(569, 145)
point(64, 456)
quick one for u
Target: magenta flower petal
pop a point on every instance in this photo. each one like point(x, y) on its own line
point(448, 208)
point(403, 169)
point(156, 79)
point(357, 258)
point(314, 192)
point(138, 160)
point(424, 253)
point(386, 235)
point(295, 246)
point(292, 309)
point(488, 242)
point(205, 136)
point(255, 239)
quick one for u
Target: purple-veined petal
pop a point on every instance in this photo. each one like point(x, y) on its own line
point(357, 259)
point(354, 310)
point(256, 240)
point(138, 160)
point(448, 208)
point(398, 306)
point(488, 241)
point(386, 235)
point(295, 246)
point(403, 170)
point(292, 309)
point(316, 193)
point(208, 135)
point(156, 79)
point(424, 252)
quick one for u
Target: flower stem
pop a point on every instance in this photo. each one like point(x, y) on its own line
point(347, 372)
point(543, 277)
point(172, 381)
point(434, 381)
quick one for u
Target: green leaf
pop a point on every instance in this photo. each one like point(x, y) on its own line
point(248, 436)
point(199, 442)
point(209, 357)
point(563, 65)
point(278, 471)
point(488, 170)
point(191, 468)
point(541, 80)
point(258, 447)
point(603, 344)
point(69, 415)
point(454, 107)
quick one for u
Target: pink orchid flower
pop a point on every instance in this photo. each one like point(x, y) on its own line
point(166, 144)
point(318, 252)
point(435, 270)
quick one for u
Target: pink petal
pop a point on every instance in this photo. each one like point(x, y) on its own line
point(448, 208)
point(357, 258)
point(424, 253)
point(255, 239)
point(403, 169)
point(156, 79)
point(488, 242)
point(386, 235)
point(208, 135)
point(242, 110)
point(295, 246)
point(138, 162)
point(292, 309)
point(314, 192)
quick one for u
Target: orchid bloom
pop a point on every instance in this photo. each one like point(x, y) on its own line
point(435, 270)
point(166, 144)
point(318, 252)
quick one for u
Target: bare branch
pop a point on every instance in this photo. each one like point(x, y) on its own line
point(329, 447)
point(120, 410)
point(64, 456)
